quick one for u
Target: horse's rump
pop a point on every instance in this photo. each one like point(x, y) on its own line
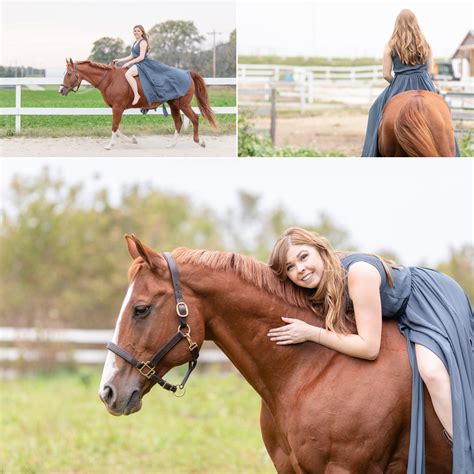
point(416, 123)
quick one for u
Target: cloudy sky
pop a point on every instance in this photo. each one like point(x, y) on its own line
point(347, 28)
point(418, 208)
point(42, 33)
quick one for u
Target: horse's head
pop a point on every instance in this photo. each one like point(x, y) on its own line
point(153, 332)
point(71, 79)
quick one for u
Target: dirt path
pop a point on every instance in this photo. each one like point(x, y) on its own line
point(333, 131)
point(221, 146)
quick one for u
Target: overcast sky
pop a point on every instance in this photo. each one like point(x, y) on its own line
point(418, 208)
point(348, 28)
point(42, 33)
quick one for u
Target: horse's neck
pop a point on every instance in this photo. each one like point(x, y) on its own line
point(91, 74)
point(238, 317)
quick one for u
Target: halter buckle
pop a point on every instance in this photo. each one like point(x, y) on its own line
point(182, 306)
point(149, 369)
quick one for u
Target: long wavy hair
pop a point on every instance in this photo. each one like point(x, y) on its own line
point(407, 40)
point(330, 298)
point(144, 36)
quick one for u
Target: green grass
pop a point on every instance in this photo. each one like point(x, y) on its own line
point(309, 61)
point(57, 424)
point(83, 125)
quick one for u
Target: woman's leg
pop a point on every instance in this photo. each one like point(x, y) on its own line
point(436, 378)
point(131, 72)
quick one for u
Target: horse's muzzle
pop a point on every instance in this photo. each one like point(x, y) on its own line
point(63, 90)
point(120, 404)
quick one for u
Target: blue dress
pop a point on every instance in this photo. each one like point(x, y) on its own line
point(433, 310)
point(406, 78)
point(160, 83)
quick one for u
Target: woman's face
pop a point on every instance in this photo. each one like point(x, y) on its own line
point(304, 265)
point(137, 32)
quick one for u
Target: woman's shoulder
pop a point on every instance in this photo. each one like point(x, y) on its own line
point(349, 260)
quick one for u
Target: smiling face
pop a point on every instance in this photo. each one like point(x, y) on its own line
point(137, 32)
point(304, 265)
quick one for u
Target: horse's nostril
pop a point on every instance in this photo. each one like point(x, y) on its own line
point(108, 395)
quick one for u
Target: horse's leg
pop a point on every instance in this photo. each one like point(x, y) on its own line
point(189, 112)
point(129, 75)
point(124, 137)
point(178, 123)
point(273, 442)
point(116, 117)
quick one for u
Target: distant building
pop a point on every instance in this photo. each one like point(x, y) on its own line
point(463, 58)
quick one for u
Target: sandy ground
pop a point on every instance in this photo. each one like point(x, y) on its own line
point(335, 131)
point(216, 146)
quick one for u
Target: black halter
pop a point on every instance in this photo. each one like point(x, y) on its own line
point(148, 368)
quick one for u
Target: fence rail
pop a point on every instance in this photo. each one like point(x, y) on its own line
point(18, 110)
point(23, 344)
point(277, 72)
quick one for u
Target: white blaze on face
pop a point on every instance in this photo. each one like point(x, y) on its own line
point(110, 367)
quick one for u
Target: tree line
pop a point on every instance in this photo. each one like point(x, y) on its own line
point(21, 71)
point(178, 44)
point(64, 261)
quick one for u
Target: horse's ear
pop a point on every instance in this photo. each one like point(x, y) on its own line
point(70, 61)
point(137, 249)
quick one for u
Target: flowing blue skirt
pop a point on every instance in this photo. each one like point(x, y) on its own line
point(161, 82)
point(439, 316)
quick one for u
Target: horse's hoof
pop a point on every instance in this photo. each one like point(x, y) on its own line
point(108, 147)
point(134, 140)
point(203, 143)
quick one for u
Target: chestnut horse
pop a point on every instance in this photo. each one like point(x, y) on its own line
point(416, 123)
point(117, 93)
point(322, 411)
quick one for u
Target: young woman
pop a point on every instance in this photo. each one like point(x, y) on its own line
point(411, 58)
point(160, 83)
point(433, 312)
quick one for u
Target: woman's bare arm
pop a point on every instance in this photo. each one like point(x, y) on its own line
point(387, 64)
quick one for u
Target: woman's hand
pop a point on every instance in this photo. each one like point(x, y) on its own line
point(126, 66)
point(295, 332)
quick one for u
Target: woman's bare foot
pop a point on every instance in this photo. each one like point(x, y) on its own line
point(135, 99)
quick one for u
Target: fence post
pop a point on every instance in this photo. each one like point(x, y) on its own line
point(18, 105)
point(273, 116)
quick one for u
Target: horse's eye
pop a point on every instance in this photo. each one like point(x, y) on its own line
point(141, 310)
point(69, 73)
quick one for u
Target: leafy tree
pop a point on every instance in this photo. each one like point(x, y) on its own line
point(106, 49)
point(460, 266)
point(65, 256)
point(175, 43)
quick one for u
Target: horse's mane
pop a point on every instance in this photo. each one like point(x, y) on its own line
point(92, 63)
point(248, 269)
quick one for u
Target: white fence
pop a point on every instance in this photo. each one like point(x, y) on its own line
point(301, 87)
point(21, 344)
point(276, 72)
point(18, 110)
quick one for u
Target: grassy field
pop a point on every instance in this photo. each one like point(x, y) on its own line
point(57, 424)
point(83, 125)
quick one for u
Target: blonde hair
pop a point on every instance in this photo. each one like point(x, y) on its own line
point(407, 40)
point(330, 298)
point(144, 36)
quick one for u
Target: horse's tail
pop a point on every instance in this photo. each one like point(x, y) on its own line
point(412, 129)
point(203, 99)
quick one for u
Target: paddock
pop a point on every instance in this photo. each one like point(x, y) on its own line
point(326, 108)
point(149, 146)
